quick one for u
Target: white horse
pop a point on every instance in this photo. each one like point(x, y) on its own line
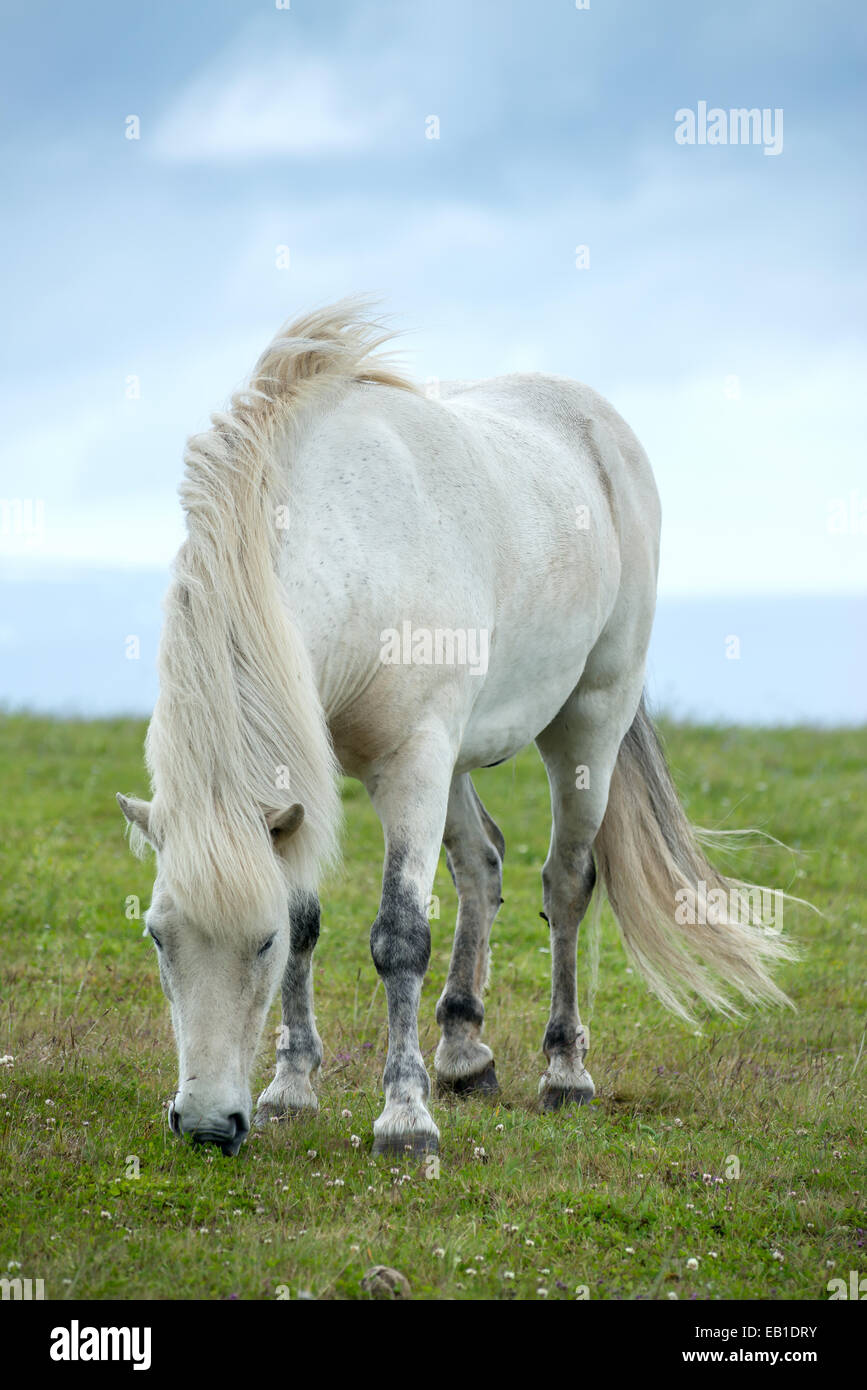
point(404, 589)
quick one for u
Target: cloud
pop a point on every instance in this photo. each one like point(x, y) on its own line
point(273, 106)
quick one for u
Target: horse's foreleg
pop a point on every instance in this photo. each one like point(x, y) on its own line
point(410, 794)
point(299, 1051)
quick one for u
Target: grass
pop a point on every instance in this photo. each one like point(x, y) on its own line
point(737, 1145)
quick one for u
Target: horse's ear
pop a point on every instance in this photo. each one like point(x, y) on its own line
point(138, 813)
point(283, 824)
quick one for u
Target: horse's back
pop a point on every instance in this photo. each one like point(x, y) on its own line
point(521, 507)
point(570, 411)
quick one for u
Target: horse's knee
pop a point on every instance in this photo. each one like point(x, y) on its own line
point(304, 924)
point(400, 938)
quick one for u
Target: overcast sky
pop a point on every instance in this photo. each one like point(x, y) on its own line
point(722, 309)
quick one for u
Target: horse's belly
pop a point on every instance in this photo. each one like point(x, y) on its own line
point(520, 697)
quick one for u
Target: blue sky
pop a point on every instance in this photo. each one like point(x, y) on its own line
point(722, 311)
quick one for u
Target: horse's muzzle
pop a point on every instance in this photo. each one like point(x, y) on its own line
point(229, 1132)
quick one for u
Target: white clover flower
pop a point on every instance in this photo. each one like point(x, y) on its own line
point(355, 1140)
point(346, 1114)
point(692, 1263)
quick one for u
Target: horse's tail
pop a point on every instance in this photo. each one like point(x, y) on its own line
point(689, 930)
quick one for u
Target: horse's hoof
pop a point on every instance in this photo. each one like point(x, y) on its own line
point(559, 1096)
point(480, 1083)
point(405, 1145)
point(273, 1114)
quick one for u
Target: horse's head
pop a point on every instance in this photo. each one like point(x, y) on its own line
point(219, 985)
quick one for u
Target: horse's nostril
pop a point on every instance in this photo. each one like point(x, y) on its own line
point(174, 1121)
point(239, 1122)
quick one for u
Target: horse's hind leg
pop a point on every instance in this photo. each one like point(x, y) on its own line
point(579, 749)
point(474, 848)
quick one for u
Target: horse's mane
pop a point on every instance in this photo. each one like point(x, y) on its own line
point(238, 730)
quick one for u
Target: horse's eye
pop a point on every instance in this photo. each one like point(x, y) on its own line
point(266, 947)
point(155, 939)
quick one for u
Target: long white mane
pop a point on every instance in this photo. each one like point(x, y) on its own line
point(238, 730)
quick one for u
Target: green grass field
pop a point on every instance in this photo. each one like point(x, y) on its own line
point(720, 1162)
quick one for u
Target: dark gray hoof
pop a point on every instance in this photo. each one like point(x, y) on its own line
point(556, 1099)
point(405, 1145)
point(481, 1083)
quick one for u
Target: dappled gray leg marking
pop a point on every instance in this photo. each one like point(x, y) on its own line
point(474, 848)
point(579, 749)
point(299, 1051)
point(400, 945)
point(567, 889)
point(410, 793)
point(585, 734)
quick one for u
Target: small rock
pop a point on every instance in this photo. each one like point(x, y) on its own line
point(383, 1282)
